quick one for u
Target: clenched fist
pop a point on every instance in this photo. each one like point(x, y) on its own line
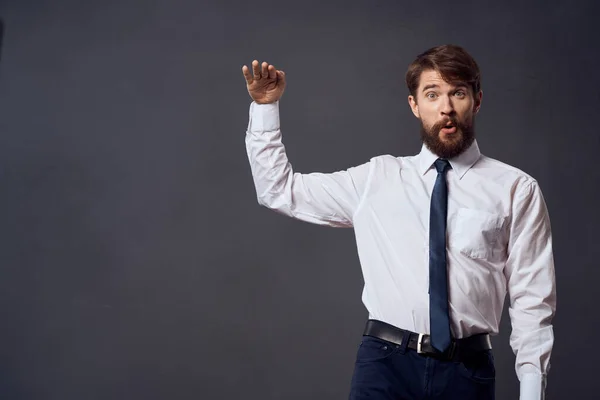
point(267, 84)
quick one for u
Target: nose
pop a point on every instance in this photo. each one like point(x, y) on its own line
point(446, 106)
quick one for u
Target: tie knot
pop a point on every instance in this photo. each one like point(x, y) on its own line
point(441, 165)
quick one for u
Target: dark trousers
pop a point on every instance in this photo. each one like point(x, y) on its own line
point(386, 371)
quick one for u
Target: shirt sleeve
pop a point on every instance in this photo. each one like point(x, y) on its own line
point(325, 199)
point(532, 289)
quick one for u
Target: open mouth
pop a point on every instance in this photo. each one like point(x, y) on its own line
point(449, 129)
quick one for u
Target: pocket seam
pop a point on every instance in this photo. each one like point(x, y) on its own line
point(392, 350)
point(493, 224)
point(467, 374)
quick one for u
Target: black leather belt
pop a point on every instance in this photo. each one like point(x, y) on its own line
point(422, 343)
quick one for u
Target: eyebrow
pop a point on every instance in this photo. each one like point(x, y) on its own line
point(431, 86)
point(434, 86)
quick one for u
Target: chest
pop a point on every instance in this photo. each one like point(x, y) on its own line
point(478, 213)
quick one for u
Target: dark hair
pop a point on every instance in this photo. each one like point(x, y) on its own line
point(452, 62)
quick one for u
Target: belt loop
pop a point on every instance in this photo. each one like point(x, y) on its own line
point(405, 340)
point(452, 350)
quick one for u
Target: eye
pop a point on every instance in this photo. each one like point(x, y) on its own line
point(431, 95)
point(460, 93)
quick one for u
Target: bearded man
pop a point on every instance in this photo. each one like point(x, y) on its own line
point(442, 236)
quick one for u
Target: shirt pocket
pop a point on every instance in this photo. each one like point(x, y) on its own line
point(476, 233)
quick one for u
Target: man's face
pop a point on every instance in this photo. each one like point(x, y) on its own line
point(447, 114)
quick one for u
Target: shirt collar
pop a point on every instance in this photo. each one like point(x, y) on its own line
point(460, 164)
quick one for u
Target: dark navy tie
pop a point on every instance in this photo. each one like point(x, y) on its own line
point(438, 276)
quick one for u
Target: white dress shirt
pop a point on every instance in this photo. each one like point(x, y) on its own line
point(499, 238)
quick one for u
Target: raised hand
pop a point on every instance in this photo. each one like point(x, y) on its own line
point(266, 85)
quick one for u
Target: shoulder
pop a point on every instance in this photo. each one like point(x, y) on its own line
point(523, 189)
point(388, 160)
point(501, 171)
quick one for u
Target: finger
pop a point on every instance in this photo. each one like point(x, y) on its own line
point(247, 75)
point(255, 70)
point(281, 78)
point(272, 72)
point(265, 70)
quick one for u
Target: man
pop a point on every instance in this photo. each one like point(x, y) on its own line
point(442, 237)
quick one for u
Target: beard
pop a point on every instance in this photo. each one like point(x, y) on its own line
point(457, 142)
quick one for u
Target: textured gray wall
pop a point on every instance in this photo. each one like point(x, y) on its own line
point(135, 262)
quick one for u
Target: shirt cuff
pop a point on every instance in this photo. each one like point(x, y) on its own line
point(533, 387)
point(263, 117)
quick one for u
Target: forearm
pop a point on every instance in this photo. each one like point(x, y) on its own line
point(532, 337)
point(533, 361)
point(271, 170)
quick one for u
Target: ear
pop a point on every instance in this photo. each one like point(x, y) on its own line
point(477, 104)
point(414, 106)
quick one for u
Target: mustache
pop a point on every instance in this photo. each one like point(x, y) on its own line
point(460, 125)
point(440, 124)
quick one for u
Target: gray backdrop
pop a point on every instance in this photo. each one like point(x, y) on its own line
point(135, 261)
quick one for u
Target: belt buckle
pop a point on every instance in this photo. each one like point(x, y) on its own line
point(420, 344)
